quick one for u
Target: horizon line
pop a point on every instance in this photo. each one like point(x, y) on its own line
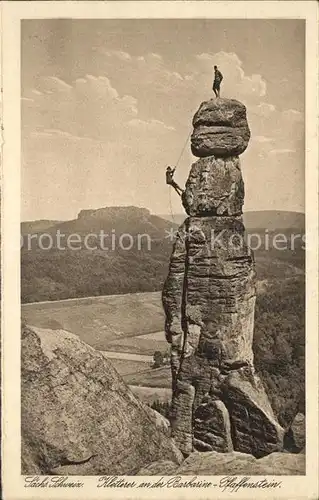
point(152, 213)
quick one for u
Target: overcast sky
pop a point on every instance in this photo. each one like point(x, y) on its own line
point(106, 105)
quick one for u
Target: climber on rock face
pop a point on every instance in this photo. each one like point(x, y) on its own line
point(217, 81)
point(170, 181)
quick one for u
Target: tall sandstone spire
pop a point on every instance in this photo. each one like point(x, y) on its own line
point(218, 401)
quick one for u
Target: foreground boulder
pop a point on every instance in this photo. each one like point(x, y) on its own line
point(233, 463)
point(295, 437)
point(78, 416)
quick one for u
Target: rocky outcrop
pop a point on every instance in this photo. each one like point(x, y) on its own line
point(212, 427)
point(255, 429)
point(220, 129)
point(163, 467)
point(159, 420)
point(295, 436)
point(298, 430)
point(78, 416)
point(214, 187)
point(232, 464)
point(218, 403)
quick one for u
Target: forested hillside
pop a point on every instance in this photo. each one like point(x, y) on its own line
point(279, 345)
point(56, 274)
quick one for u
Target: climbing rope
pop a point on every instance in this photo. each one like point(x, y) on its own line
point(170, 203)
point(186, 142)
point(176, 165)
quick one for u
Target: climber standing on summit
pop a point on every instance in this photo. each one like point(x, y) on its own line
point(217, 81)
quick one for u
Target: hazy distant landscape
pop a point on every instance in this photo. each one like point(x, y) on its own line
point(53, 274)
point(270, 219)
point(121, 311)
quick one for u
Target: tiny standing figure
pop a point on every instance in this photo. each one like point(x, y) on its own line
point(170, 181)
point(217, 81)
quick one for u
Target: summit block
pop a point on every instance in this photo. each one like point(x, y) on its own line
point(220, 129)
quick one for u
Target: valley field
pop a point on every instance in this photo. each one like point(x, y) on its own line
point(130, 329)
point(102, 321)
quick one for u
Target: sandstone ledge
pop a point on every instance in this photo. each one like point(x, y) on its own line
point(220, 128)
point(234, 463)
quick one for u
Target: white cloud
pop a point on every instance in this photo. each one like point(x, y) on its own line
point(293, 115)
point(54, 84)
point(281, 151)
point(264, 109)
point(56, 133)
point(150, 124)
point(285, 127)
point(91, 107)
point(262, 139)
point(142, 71)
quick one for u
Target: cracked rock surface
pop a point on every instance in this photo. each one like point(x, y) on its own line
point(78, 416)
point(214, 187)
point(220, 128)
